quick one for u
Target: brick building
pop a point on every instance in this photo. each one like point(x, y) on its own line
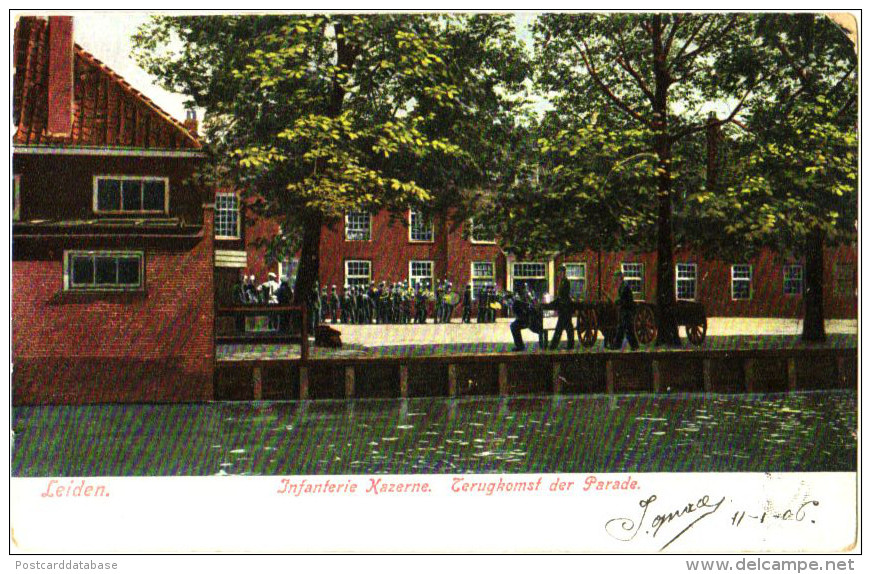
point(112, 243)
point(380, 247)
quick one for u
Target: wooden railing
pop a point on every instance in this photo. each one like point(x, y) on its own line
point(286, 329)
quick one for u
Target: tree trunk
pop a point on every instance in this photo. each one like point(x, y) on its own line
point(666, 324)
point(309, 259)
point(813, 326)
point(667, 333)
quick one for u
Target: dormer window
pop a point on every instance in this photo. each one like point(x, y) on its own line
point(131, 194)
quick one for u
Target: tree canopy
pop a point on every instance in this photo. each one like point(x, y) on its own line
point(317, 115)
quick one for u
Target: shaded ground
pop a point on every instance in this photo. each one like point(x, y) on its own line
point(796, 432)
point(455, 338)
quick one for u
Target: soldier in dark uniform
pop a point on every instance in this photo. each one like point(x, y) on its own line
point(526, 316)
point(333, 305)
point(373, 304)
point(363, 305)
point(437, 309)
point(489, 311)
point(347, 306)
point(564, 307)
point(467, 304)
point(359, 306)
point(447, 307)
point(482, 305)
point(419, 305)
point(386, 298)
point(325, 299)
point(625, 314)
point(396, 304)
point(376, 301)
point(314, 307)
point(406, 304)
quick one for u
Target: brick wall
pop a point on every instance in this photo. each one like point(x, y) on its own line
point(156, 345)
point(390, 251)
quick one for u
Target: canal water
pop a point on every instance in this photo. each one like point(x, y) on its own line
point(812, 431)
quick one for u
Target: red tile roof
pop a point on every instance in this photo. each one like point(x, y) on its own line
point(107, 111)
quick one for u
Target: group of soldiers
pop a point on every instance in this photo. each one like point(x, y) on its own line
point(271, 291)
point(400, 303)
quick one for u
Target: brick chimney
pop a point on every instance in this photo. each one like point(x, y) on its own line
point(190, 122)
point(60, 75)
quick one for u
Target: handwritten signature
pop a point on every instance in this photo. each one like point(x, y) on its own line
point(684, 516)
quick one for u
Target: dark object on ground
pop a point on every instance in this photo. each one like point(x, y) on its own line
point(326, 336)
point(604, 316)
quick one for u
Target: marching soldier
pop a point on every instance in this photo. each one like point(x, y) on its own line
point(447, 302)
point(347, 305)
point(526, 317)
point(373, 303)
point(314, 307)
point(396, 303)
point(419, 305)
point(482, 305)
point(439, 302)
point(406, 304)
point(334, 306)
point(467, 304)
point(625, 314)
point(564, 308)
point(359, 305)
point(325, 307)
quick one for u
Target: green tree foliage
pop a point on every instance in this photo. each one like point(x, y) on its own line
point(313, 116)
point(654, 78)
point(796, 184)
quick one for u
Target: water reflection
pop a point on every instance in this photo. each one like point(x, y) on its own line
point(590, 433)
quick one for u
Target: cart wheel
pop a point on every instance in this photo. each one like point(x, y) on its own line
point(587, 327)
point(645, 325)
point(696, 333)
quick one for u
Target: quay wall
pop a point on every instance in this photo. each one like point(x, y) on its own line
point(733, 371)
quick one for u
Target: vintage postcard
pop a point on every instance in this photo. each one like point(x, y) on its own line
point(551, 282)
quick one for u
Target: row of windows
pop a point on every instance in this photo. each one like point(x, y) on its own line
point(358, 227)
point(124, 270)
point(534, 276)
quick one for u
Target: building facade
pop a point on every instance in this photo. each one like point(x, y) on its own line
point(386, 247)
point(112, 242)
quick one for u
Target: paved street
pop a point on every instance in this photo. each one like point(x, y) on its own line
point(457, 338)
point(457, 333)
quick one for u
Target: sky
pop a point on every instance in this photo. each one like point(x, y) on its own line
point(106, 35)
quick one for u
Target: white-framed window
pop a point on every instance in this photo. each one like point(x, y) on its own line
point(478, 234)
point(103, 270)
point(420, 272)
point(845, 280)
point(287, 269)
point(420, 227)
point(131, 194)
point(227, 224)
point(633, 274)
point(742, 282)
point(533, 275)
point(358, 226)
point(16, 197)
point(483, 275)
point(793, 279)
point(685, 281)
point(576, 273)
point(358, 273)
